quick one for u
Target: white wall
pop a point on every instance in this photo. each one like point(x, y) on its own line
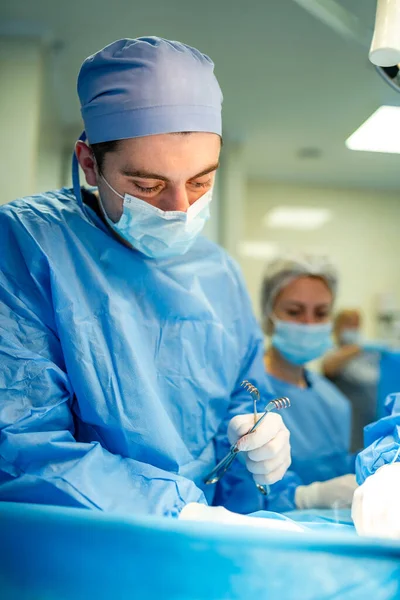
point(30, 141)
point(20, 98)
point(49, 164)
point(362, 238)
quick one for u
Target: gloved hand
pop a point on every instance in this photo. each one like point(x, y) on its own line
point(218, 514)
point(266, 451)
point(376, 504)
point(337, 492)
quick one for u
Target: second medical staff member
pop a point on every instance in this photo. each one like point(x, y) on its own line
point(297, 300)
point(353, 367)
point(124, 334)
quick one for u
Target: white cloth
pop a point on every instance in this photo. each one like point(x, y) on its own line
point(334, 493)
point(218, 514)
point(376, 504)
point(266, 451)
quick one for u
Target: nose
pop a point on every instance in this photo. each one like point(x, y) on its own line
point(309, 318)
point(177, 199)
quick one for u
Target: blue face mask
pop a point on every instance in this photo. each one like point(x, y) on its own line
point(157, 233)
point(299, 343)
point(350, 336)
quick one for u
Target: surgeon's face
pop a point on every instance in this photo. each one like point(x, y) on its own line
point(169, 171)
point(305, 300)
point(349, 320)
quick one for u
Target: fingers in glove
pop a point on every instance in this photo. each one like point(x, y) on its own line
point(261, 467)
point(273, 476)
point(266, 432)
point(273, 448)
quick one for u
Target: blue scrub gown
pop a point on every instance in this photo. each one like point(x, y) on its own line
point(119, 373)
point(319, 422)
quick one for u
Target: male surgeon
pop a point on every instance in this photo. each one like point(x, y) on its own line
point(125, 334)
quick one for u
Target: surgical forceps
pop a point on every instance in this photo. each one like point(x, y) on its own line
point(221, 468)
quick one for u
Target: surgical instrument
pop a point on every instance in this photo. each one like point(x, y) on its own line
point(277, 404)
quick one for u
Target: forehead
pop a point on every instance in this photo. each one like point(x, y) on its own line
point(170, 153)
point(350, 319)
point(310, 290)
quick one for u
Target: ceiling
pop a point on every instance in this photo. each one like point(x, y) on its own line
point(289, 81)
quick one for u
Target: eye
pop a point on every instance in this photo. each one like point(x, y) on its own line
point(148, 190)
point(293, 312)
point(200, 184)
point(322, 315)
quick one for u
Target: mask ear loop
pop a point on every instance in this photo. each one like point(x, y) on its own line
point(110, 186)
point(107, 219)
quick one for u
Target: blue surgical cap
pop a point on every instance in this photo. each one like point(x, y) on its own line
point(148, 86)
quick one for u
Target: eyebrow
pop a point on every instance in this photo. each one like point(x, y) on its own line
point(301, 304)
point(147, 175)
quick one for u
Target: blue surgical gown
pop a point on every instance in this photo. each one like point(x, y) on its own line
point(319, 421)
point(382, 441)
point(119, 373)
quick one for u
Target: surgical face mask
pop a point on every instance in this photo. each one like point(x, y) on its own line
point(299, 343)
point(157, 233)
point(350, 336)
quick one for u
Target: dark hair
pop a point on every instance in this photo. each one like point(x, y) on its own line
point(100, 150)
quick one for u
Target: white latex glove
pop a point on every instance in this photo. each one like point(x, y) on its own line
point(334, 493)
point(376, 504)
point(266, 451)
point(218, 514)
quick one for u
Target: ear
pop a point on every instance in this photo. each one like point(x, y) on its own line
point(267, 325)
point(270, 327)
point(86, 161)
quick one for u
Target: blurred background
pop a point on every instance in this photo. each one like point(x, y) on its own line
point(297, 83)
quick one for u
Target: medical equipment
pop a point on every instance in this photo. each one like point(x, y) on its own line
point(277, 404)
point(385, 46)
point(384, 50)
point(391, 76)
point(255, 394)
